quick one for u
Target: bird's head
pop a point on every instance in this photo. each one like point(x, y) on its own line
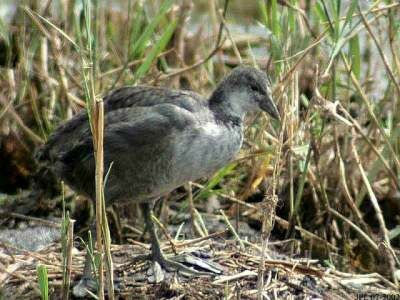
point(246, 89)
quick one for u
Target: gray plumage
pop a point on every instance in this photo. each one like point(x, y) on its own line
point(158, 139)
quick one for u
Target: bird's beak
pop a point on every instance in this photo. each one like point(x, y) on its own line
point(269, 107)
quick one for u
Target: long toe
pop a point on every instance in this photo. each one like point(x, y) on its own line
point(210, 268)
point(84, 286)
point(188, 265)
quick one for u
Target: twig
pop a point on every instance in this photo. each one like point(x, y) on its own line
point(29, 218)
point(99, 154)
point(280, 221)
point(232, 229)
point(370, 110)
point(356, 228)
point(378, 211)
point(33, 136)
point(381, 53)
point(131, 64)
point(55, 49)
point(68, 265)
point(165, 232)
point(191, 207)
point(218, 46)
point(268, 212)
point(201, 239)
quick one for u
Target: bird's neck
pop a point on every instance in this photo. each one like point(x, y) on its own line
point(228, 108)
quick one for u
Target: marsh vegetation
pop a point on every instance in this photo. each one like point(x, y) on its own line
point(322, 184)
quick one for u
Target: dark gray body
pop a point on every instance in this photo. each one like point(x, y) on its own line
point(158, 139)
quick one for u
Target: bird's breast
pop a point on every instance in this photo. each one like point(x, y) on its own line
point(204, 150)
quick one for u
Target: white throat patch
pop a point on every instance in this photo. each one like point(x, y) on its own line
point(241, 102)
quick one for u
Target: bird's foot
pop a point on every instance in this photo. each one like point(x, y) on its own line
point(184, 264)
point(85, 286)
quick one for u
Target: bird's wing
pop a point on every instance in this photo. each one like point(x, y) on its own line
point(145, 96)
point(133, 137)
point(127, 130)
point(115, 104)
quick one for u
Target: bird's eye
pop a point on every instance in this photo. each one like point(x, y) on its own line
point(255, 88)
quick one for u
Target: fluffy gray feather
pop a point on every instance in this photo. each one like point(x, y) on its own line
point(158, 139)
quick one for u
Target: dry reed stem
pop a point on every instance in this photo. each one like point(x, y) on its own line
point(54, 47)
point(29, 218)
point(345, 189)
point(234, 47)
point(132, 64)
point(14, 115)
point(280, 221)
point(191, 208)
point(107, 250)
point(232, 229)
point(165, 232)
point(268, 211)
point(381, 53)
point(218, 45)
point(98, 136)
point(332, 108)
point(378, 211)
point(370, 110)
point(68, 266)
point(365, 236)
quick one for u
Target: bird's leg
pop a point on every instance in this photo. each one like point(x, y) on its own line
point(156, 251)
point(87, 282)
point(171, 264)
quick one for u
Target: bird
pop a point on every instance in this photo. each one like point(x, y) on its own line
point(157, 139)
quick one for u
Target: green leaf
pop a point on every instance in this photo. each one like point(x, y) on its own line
point(143, 40)
point(319, 11)
point(43, 282)
point(61, 32)
point(355, 56)
point(157, 49)
point(263, 10)
point(272, 17)
point(216, 179)
point(336, 50)
point(350, 12)
point(136, 26)
point(336, 17)
point(292, 20)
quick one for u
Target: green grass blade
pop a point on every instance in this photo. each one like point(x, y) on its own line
point(43, 282)
point(263, 11)
point(292, 20)
point(303, 180)
point(157, 49)
point(136, 26)
point(335, 9)
point(355, 56)
point(274, 19)
point(319, 11)
point(350, 12)
point(270, 14)
point(143, 40)
point(216, 179)
point(61, 32)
